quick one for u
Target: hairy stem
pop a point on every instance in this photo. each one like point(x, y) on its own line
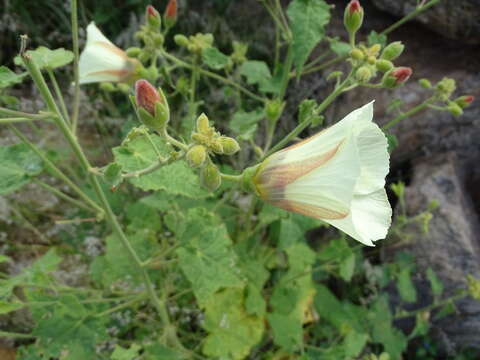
point(76, 95)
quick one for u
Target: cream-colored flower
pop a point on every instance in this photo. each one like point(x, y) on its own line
point(337, 175)
point(101, 60)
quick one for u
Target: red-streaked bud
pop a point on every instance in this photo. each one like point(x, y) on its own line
point(396, 77)
point(353, 17)
point(146, 96)
point(171, 13)
point(153, 17)
point(464, 101)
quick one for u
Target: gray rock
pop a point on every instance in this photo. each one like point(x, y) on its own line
point(455, 19)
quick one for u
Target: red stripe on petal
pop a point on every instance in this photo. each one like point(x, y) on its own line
point(310, 210)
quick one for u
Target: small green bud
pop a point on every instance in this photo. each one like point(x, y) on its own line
point(374, 50)
point(363, 74)
point(393, 50)
point(274, 109)
point(372, 60)
point(473, 287)
point(216, 146)
point(230, 145)
point(196, 155)
point(203, 125)
point(181, 40)
point(357, 54)
point(152, 73)
point(454, 109)
point(425, 83)
point(108, 87)
point(239, 52)
point(200, 138)
point(124, 88)
point(464, 101)
point(133, 52)
point(445, 88)
point(210, 177)
point(384, 65)
point(353, 16)
point(158, 40)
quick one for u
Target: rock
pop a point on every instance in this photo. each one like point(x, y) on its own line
point(455, 19)
point(452, 245)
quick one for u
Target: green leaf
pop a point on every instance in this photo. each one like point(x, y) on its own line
point(177, 178)
point(354, 343)
point(120, 353)
point(308, 19)
point(206, 255)
point(340, 48)
point(347, 267)
point(160, 352)
point(9, 78)
point(405, 285)
point(290, 233)
point(46, 58)
point(232, 332)
point(18, 164)
point(244, 124)
point(213, 58)
point(6, 307)
point(435, 283)
point(376, 38)
point(256, 72)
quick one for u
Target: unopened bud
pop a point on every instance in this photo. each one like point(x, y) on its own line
point(196, 155)
point(396, 77)
point(454, 109)
point(425, 83)
point(230, 145)
point(203, 125)
point(153, 17)
point(158, 40)
point(181, 40)
point(357, 54)
point(152, 106)
point(374, 50)
point(210, 177)
point(384, 65)
point(393, 50)
point(216, 146)
point(464, 101)
point(363, 74)
point(274, 109)
point(146, 96)
point(124, 88)
point(170, 16)
point(108, 87)
point(372, 60)
point(353, 16)
point(133, 52)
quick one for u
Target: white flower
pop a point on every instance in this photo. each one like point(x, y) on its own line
point(337, 175)
point(101, 60)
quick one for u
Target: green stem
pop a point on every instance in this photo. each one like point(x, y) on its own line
point(213, 76)
point(121, 306)
point(8, 334)
point(432, 306)
point(14, 113)
point(409, 17)
point(64, 196)
point(236, 178)
point(76, 95)
point(15, 120)
point(322, 66)
point(407, 114)
point(286, 72)
point(55, 171)
point(58, 93)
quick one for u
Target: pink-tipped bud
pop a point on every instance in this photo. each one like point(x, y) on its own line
point(353, 17)
point(153, 16)
point(146, 96)
point(353, 6)
point(464, 101)
point(171, 12)
point(402, 74)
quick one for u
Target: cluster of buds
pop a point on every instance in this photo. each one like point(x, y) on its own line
point(206, 141)
point(151, 106)
point(194, 43)
point(239, 54)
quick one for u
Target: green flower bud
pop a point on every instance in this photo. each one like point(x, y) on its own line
point(210, 177)
point(445, 88)
point(108, 87)
point(230, 145)
point(454, 109)
point(181, 40)
point(203, 125)
point(363, 74)
point(216, 146)
point(374, 50)
point(372, 60)
point(158, 40)
point(425, 83)
point(473, 287)
point(133, 52)
point(353, 16)
point(357, 54)
point(384, 65)
point(196, 156)
point(393, 50)
point(274, 109)
point(464, 101)
point(124, 88)
point(239, 52)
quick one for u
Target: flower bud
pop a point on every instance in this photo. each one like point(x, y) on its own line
point(464, 101)
point(170, 16)
point(384, 65)
point(210, 177)
point(372, 60)
point(274, 109)
point(133, 52)
point(203, 125)
point(363, 74)
point(425, 83)
point(445, 88)
point(357, 54)
point(181, 40)
point(393, 50)
point(230, 145)
point(152, 106)
point(153, 17)
point(216, 146)
point(396, 77)
point(196, 156)
point(158, 40)
point(454, 109)
point(107, 86)
point(353, 16)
